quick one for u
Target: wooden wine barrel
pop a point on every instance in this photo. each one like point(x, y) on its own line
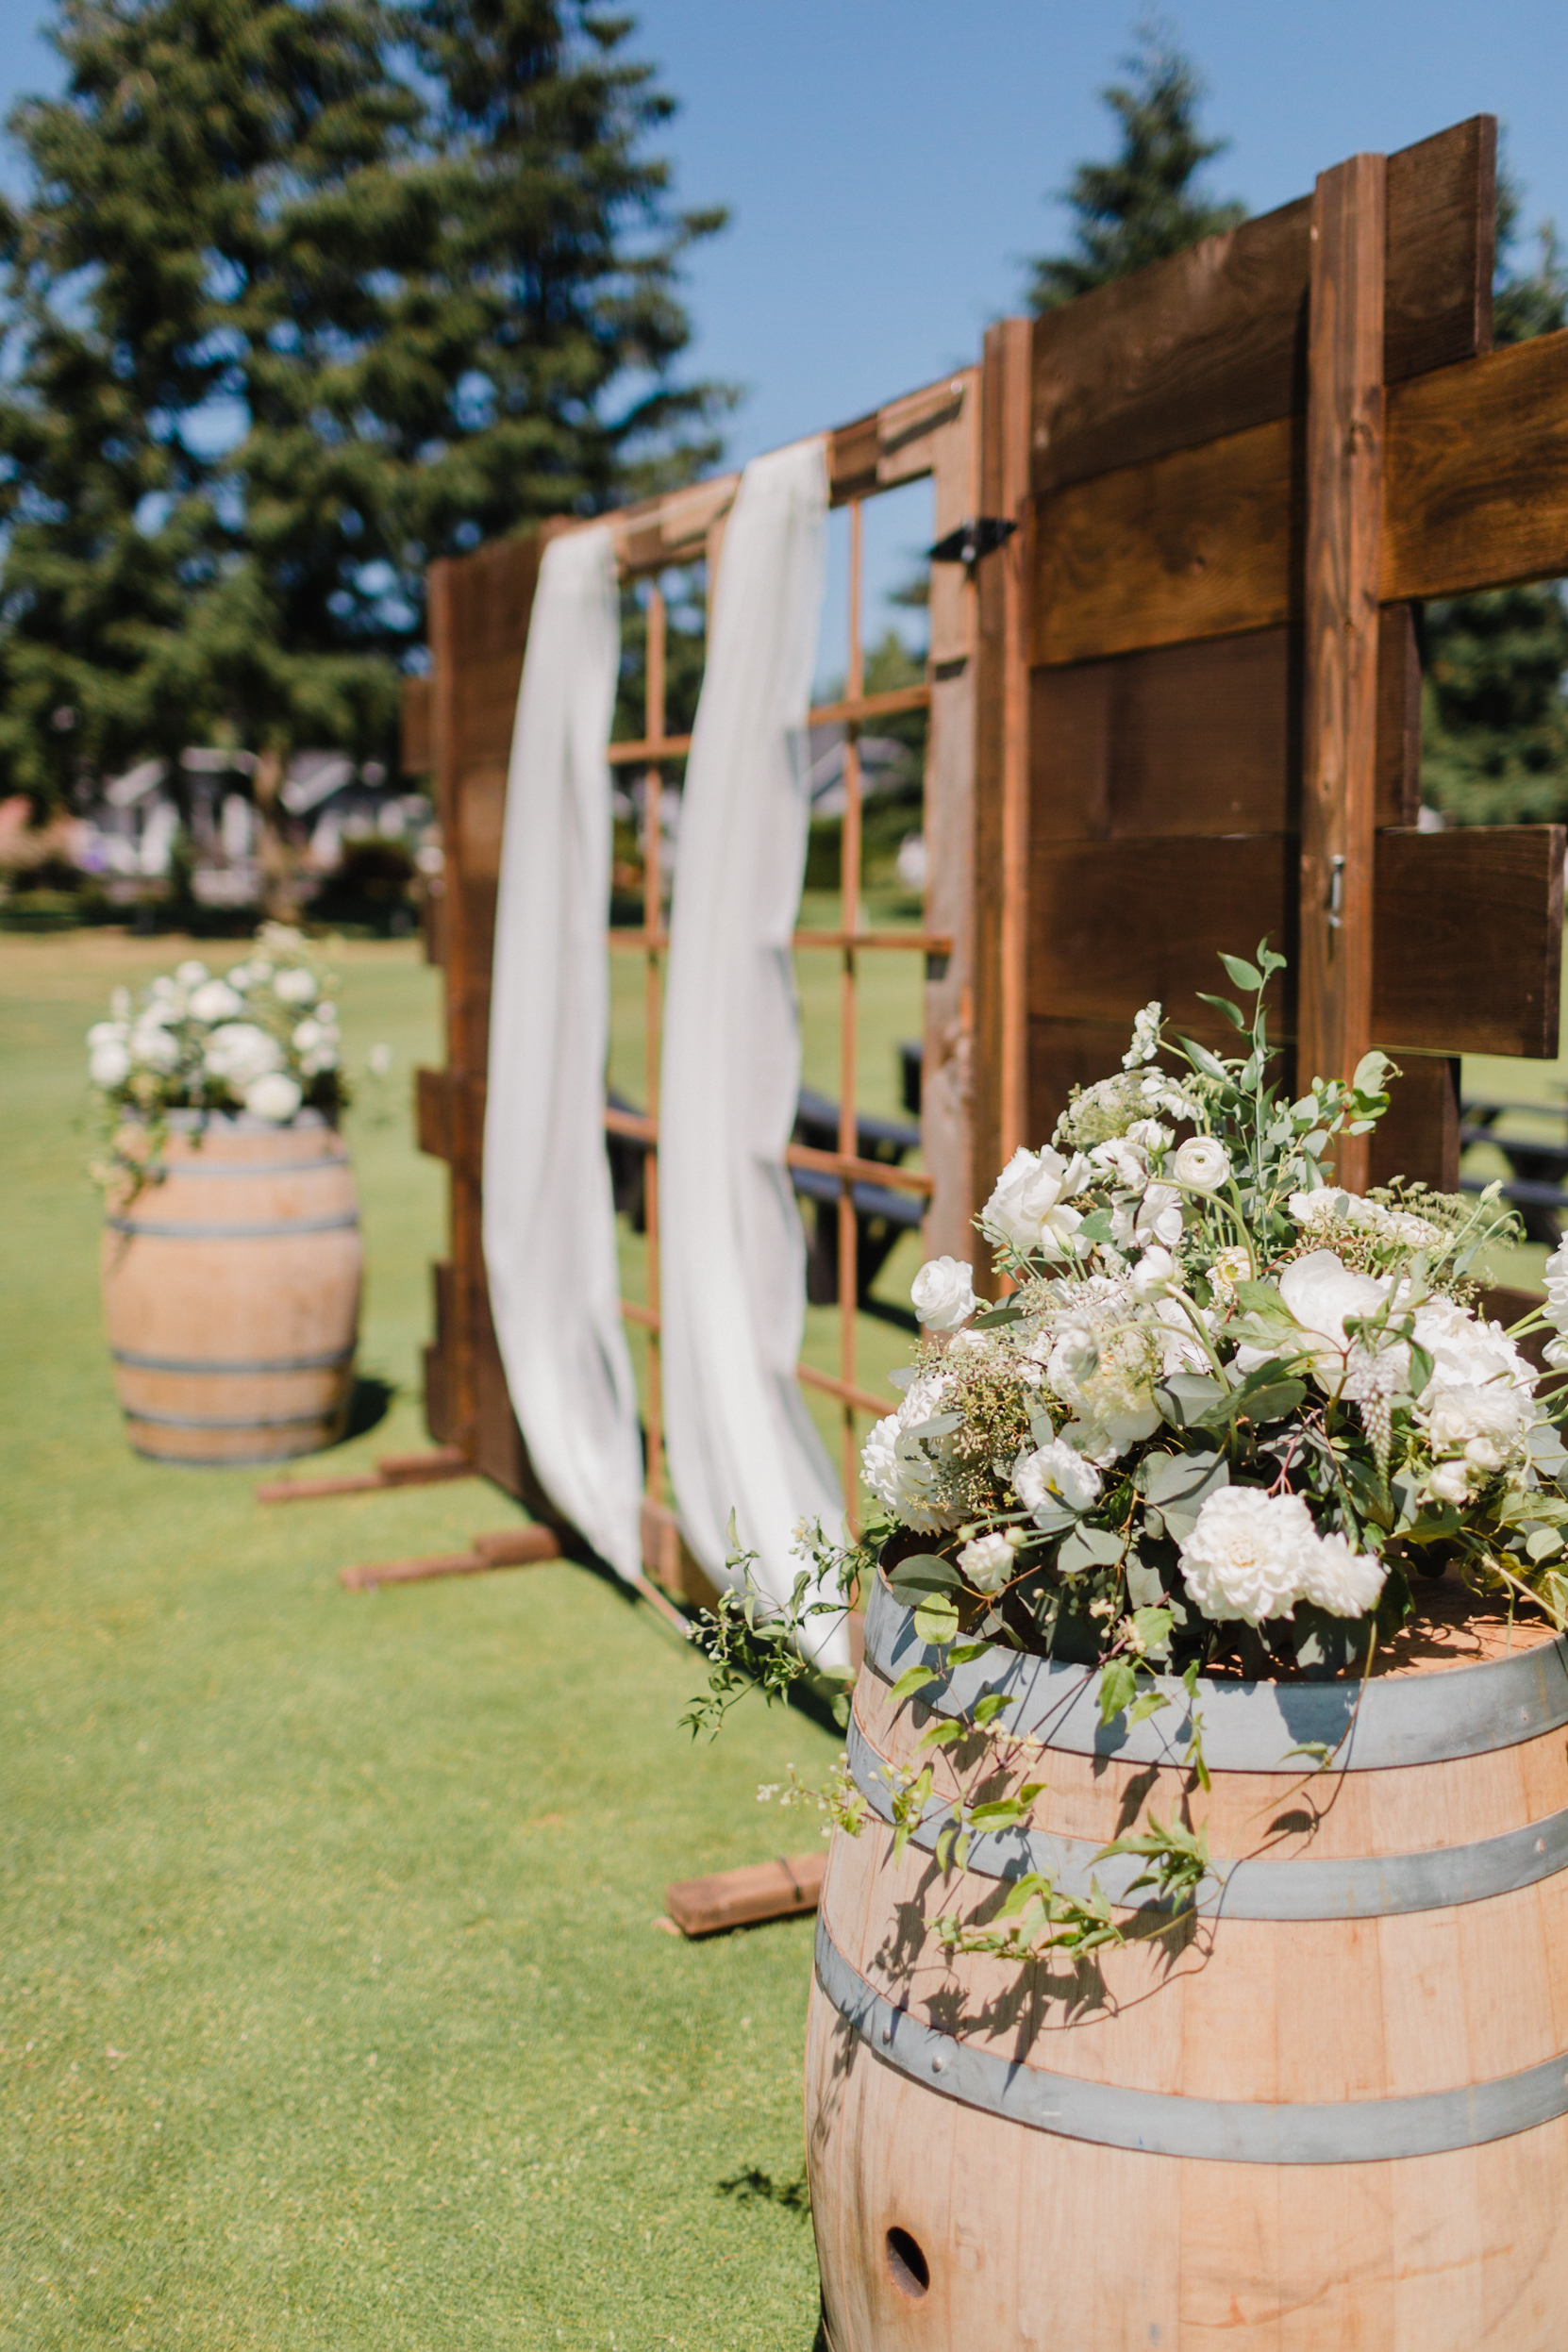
point(231, 1291)
point(1330, 2115)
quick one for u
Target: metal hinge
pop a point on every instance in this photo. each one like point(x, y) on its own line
point(972, 540)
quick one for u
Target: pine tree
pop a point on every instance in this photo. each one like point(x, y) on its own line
point(1495, 717)
point(308, 292)
point(1143, 206)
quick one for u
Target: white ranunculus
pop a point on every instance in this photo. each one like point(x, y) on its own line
point(275, 1096)
point(1322, 1291)
point(1246, 1556)
point(293, 985)
point(988, 1562)
point(1343, 1582)
point(108, 1063)
point(1153, 1273)
point(942, 1291)
point(214, 1000)
point(1449, 1482)
point(1158, 1217)
point(1485, 1425)
point(1055, 1475)
point(1202, 1162)
point(240, 1053)
point(1028, 1205)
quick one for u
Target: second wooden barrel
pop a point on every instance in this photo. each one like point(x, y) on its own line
point(1329, 2115)
point(231, 1291)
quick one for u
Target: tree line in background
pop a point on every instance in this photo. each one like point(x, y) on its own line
point(306, 293)
point(303, 296)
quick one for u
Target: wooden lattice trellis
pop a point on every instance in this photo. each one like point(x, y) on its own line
point(1178, 709)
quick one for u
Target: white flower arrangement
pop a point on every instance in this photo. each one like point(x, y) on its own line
point(260, 1038)
point(1230, 1413)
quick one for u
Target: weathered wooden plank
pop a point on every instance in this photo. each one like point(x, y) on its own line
point(742, 1898)
point(433, 1113)
point(1418, 1136)
point(1345, 408)
point(415, 754)
point(1204, 543)
point(1114, 924)
point(1398, 786)
point(1476, 464)
point(1214, 340)
point(1183, 739)
point(1467, 932)
point(1469, 939)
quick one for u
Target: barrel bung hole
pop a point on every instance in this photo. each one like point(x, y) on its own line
point(910, 2270)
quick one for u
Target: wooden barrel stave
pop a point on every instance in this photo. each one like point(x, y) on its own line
point(1035, 2237)
point(231, 1288)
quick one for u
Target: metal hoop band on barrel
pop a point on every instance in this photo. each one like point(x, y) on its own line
point(1159, 2122)
point(223, 1421)
point(1372, 1886)
point(253, 1169)
point(214, 1364)
point(1247, 1726)
point(277, 1229)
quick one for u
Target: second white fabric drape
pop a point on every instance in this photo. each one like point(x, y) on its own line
point(732, 1272)
point(549, 1217)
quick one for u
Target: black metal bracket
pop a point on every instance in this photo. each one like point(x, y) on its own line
point(972, 540)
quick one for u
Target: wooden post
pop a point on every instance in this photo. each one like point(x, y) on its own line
point(1345, 442)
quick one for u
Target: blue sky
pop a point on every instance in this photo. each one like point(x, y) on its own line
point(889, 165)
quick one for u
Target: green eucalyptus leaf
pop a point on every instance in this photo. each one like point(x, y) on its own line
point(1145, 1587)
point(1088, 1547)
point(1243, 974)
point(935, 1620)
point(1185, 1397)
point(922, 1573)
point(1118, 1688)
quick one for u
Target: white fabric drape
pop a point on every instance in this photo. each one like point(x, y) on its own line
point(549, 1217)
point(733, 1254)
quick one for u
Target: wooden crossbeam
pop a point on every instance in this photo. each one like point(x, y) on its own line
point(743, 1898)
point(424, 1468)
point(511, 1547)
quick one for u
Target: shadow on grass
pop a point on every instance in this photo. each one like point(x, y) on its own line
point(754, 2187)
point(369, 1405)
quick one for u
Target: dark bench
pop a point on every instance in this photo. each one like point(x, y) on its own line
point(1537, 1167)
point(883, 1213)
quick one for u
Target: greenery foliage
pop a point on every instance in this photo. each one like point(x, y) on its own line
point(1143, 206)
point(300, 297)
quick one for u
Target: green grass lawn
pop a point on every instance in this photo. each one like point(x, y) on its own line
point(331, 2009)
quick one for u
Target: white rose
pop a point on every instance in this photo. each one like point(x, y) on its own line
point(942, 1291)
point(1202, 1162)
point(1052, 1476)
point(1153, 1273)
point(1028, 1208)
point(1246, 1556)
point(1320, 1292)
point(1343, 1582)
point(1449, 1482)
point(215, 1001)
point(239, 1053)
point(154, 1047)
point(293, 985)
point(901, 1475)
point(1158, 1217)
point(1485, 1425)
point(1231, 1265)
point(988, 1562)
point(1122, 1158)
point(275, 1096)
point(109, 1063)
point(1467, 1352)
